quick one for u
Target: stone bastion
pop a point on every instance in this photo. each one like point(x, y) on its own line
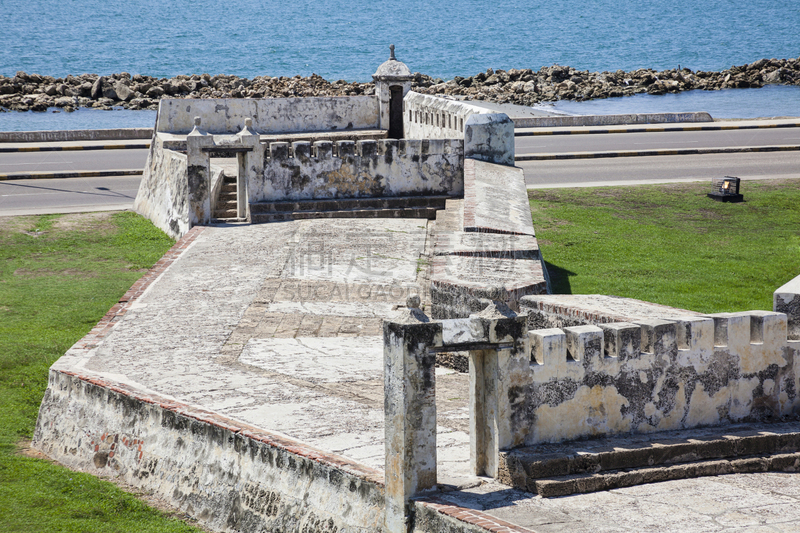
point(276, 370)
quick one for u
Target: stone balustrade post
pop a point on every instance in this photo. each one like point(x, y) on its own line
point(251, 166)
point(410, 410)
point(492, 373)
point(198, 175)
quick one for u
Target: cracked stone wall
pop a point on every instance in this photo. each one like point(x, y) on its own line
point(270, 115)
point(163, 195)
point(361, 169)
point(654, 375)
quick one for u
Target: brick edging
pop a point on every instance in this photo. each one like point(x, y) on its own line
point(113, 316)
point(472, 516)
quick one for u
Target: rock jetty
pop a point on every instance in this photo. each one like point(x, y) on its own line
point(36, 92)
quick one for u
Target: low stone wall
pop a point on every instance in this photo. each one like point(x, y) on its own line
point(487, 136)
point(432, 117)
point(362, 169)
point(652, 376)
point(566, 310)
point(495, 256)
point(270, 115)
point(529, 387)
point(230, 476)
point(611, 120)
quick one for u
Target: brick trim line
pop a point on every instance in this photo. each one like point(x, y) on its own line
point(236, 427)
point(472, 516)
point(113, 316)
point(118, 310)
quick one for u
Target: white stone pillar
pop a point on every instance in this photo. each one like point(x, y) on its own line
point(493, 374)
point(410, 410)
point(198, 175)
point(251, 167)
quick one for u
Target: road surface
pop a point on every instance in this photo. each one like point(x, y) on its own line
point(30, 197)
point(653, 169)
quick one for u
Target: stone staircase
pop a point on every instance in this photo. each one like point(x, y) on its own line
point(615, 462)
point(225, 207)
point(387, 207)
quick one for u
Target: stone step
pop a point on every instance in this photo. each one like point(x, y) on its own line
point(343, 204)
point(617, 479)
point(228, 179)
point(225, 203)
point(417, 212)
point(228, 188)
point(613, 462)
point(225, 213)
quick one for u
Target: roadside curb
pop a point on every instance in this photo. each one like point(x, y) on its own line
point(114, 134)
point(76, 174)
point(132, 146)
point(645, 153)
point(654, 129)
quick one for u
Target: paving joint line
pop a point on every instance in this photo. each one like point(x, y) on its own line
point(646, 153)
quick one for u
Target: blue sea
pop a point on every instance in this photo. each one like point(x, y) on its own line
point(349, 39)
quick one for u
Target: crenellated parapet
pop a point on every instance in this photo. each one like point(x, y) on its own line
point(360, 169)
point(657, 375)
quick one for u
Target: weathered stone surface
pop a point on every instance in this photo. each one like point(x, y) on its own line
point(564, 310)
point(382, 168)
point(123, 92)
point(787, 300)
point(496, 199)
point(163, 195)
point(274, 115)
point(716, 372)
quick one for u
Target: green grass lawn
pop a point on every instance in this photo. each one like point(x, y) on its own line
point(58, 276)
point(670, 244)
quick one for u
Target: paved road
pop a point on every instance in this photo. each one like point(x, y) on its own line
point(631, 170)
point(67, 195)
point(72, 161)
point(654, 141)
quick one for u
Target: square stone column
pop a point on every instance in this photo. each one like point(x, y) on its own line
point(198, 175)
point(410, 411)
point(251, 167)
point(493, 373)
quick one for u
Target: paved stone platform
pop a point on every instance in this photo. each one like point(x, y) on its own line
point(279, 326)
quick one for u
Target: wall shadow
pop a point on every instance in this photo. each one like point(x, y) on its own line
point(559, 278)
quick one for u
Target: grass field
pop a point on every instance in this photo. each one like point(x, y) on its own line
point(670, 244)
point(58, 276)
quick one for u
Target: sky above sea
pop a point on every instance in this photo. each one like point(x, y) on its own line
point(349, 39)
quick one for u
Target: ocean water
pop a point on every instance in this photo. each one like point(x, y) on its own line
point(349, 39)
point(766, 102)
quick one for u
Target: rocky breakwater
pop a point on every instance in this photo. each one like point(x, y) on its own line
point(528, 87)
point(25, 92)
point(34, 92)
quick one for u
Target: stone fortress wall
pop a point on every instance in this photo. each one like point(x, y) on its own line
point(543, 368)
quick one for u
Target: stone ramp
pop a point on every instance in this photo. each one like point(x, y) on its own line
point(242, 379)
